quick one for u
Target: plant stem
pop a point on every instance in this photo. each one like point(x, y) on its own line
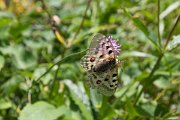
point(148, 79)
point(57, 34)
point(29, 96)
point(159, 37)
point(65, 59)
point(46, 10)
point(81, 24)
point(54, 80)
point(155, 67)
point(171, 32)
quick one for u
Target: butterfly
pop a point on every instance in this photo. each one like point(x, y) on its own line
point(101, 64)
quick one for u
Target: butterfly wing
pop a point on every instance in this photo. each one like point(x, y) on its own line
point(100, 50)
point(95, 42)
point(106, 83)
point(90, 59)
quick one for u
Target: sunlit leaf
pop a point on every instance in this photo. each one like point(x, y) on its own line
point(4, 104)
point(96, 98)
point(41, 111)
point(11, 85)
point(2, 61)
point(174, 43)
point(147, 109)
point(169, 9)
point(80, 99)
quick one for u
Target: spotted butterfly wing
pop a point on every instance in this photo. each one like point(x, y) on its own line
point(101, 64)
point(105, 83)
point(90, 59)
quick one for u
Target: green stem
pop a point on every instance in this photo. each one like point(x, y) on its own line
point(82, 22)
point(159, 37)
point(157, 64)
point(155, 67)
point(66, 59)
point(54, 81)
point(70, 58)
point(171, 32)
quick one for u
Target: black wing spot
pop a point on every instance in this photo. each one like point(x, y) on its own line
point(114, 75)
point(111, 85)
point(101, 56)
point(94, 76)
point(98, 81)
point(107, 47)
point(114, 80)
point(94, 69)
point(110, 51)
point(106, 79)
point(92, 59)
point(103, 43)
point(92, 66)
point(86, 64)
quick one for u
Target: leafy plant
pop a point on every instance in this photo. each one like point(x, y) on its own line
point(42, 42)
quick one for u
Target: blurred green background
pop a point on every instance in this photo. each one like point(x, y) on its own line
point(38, 34)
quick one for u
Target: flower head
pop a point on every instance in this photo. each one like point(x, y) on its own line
point(115, 45)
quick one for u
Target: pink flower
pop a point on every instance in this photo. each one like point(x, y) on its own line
point(115, 45)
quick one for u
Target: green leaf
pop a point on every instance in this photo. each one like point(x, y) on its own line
point(2, 61)
point(126, 54)
point(4, 28)
point(107, 111)
point(23, 58)
point(161, 110)
point(73, 57)
point(131, 109)
point(142, 27)
point(68, 113)
point(80, 99)
point(4, 14)
point(69, 59)
point(39, 71)
point(41, 111)
point(169, 9)
point(4, 104)
point(147, 109)
point(163, 83)
point(96, 98)
point(11, 85)
point(174, 43)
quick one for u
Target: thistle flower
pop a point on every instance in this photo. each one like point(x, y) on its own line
point(115, 45)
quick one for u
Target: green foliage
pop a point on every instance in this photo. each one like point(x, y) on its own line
point(40, 74)
point(41, 111)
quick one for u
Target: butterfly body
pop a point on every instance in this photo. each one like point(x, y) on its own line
point(101, 64)
point(105, 65)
